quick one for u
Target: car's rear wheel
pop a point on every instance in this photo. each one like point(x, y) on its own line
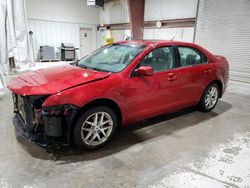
point(95, 128)
point(209, 98)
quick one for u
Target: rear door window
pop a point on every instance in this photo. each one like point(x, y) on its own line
point(190, 56)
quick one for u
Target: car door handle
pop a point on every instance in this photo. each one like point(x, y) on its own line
point(171, 77)
point(207, 71)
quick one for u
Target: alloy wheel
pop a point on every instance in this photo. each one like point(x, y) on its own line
point(211, 97)
point(97, 128)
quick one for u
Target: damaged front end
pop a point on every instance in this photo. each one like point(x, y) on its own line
point(46, 126)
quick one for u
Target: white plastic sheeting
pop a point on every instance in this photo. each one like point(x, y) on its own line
point(14, 36)
point(3, 43)
point(22, 51)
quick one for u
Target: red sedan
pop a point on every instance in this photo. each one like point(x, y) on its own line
point(116, 85)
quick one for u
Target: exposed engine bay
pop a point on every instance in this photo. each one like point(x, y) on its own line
point(44, 126)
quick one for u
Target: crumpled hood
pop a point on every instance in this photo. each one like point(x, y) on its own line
point(52, 80)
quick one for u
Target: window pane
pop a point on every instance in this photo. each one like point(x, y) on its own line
point(159, 59)
point(189, 56)
point(112, 58)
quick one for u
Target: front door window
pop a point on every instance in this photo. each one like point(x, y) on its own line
point(160, 59)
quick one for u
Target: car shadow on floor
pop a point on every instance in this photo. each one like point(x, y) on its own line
point(130, 135)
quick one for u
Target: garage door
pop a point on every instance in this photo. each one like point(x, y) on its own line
point(223, 27)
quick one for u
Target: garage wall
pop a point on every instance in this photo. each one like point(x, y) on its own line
point(169, 9)
point(54, 33)
point(223, 27)
point(117, 12)
point(119, 35)
point(74, 11)
point(114, 12)
point(180, 34)
point(58, 21)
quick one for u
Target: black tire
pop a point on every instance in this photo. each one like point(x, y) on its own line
point(202, 104)
point(79, 136)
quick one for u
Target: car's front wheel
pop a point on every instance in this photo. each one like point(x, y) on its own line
point(95, 128)
point(209, 98)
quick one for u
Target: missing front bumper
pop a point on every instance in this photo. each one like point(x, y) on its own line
point(21, 128)
point(43, 125)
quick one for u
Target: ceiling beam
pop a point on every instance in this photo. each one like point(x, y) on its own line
point(174, 23)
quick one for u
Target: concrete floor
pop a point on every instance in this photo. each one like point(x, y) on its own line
point(184, 149)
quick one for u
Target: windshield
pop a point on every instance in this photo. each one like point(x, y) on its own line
point(111, 58)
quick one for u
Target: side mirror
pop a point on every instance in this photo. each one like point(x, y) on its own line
point(74, 63)
point(144, 71)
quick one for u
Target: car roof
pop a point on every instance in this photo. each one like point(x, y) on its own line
point(155, 42)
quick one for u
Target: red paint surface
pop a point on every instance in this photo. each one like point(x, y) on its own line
point(52, 80)
point(137, 97)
